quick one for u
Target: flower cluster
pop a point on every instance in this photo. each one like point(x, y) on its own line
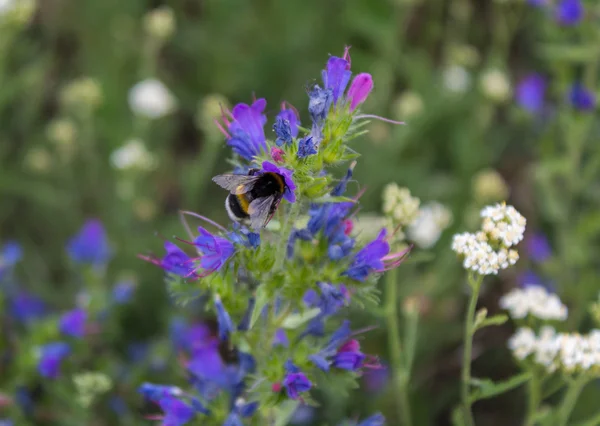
point(263, 293)
point(490, 250)
point(535, 301)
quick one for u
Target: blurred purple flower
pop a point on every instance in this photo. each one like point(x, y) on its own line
point(245, 128)
point(537, 3)
point(582, 98)
point(295, 382)
point(289, 194)
point(349, 357)
point(531, 91)
point(374, 420)
point(530, 278)
point(177, 412)
point(375, 379)
point(10, 253)
point(72, 323)
point(280, 338)
point(25, 307)
point(538, 247)
point(123, 292)
point(569, 12)
point(90, 245)
point(51, 356)
point(223, 319)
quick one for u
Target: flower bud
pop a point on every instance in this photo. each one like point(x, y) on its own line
point(489, 186)
point(495, 85)
point(84, 93)
point(359, 89)
point(160, 23)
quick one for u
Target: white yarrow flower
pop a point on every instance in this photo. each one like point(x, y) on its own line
point(536, 301)
point(133, 154)
point(426, 230)
point(151, 99)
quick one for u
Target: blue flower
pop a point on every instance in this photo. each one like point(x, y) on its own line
point(177, 412)
point(374, 420)
point(336, 76)
point(369, 259)
point(289, 194)
point(51, 356)
point(330, 300)
point(90, 245)
point(349, 357)
point(295, 382)
point(339, 337)
point(246, 130)
point(215, 250)
point(538, 248)
point(280, 338)
point(319, 103)
point(582, 98)
point(531, 91)
point(156, 392)
point(174, 262)
point(72, 323)
point(289, 114)
point(123, 292)
point(10, 254)
point(243, 236)
point(569, 12)
point(223, 319)
point(25, 307)
point(306, 147)
point(283, 131)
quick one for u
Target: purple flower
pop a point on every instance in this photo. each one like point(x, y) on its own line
point(25, 307)
point(289, 194)
point(295, 382)
point(177, 412)
point(336, 76)
point(280, 338)
point(10, 254)
point(123, 292)
point(374, 420)
point(319, 103)
point(569, 12)
point(330, 300)
point(341, 335)
point(283, 131)
point(349, 357)
point(306, 147)
point(582, 98)
point(156, 392)
point(369, 259)
point(51, 355)
point(375, 379)
point(174, 262)
point(90, 245)
point(245, 133)
point(538, 248)
point(359, 90)
point(72, 323)
point(216, 250)
point(531, 91)
point(223, 319)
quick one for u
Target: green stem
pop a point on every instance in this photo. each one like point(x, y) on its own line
point(570, 399)
point(400, 376)
point(534, 398)
point(468, 349)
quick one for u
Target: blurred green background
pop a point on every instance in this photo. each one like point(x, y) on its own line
point(446, 67)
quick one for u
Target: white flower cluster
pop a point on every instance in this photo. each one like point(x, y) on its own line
point(400, 205)
point(427, 228)
point(133, 154)
point(489, 250)
point(536, 301)
point(569, 352)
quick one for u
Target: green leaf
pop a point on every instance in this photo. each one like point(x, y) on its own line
point(296, 320)
point(487, 388)
point(284, 412)
point(482, 321)
point(262, 298)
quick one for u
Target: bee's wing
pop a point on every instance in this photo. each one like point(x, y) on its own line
point(236, 184)
point(259, 210)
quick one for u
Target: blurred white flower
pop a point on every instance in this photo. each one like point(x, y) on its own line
point(17, 11)
point(160, 23)
point(133, 155)
point(400, 205)
point(456, 79)
point(522, 343)
point(151, 99)
point(536, 301)
point(6, 6)
point(408, 104)
point(495, 85)
point(426, 230)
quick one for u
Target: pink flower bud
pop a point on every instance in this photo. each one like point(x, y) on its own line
point(277, 154)
point(276, 387)
point(359, 89)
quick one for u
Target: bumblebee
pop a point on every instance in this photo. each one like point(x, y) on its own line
point(253, 198)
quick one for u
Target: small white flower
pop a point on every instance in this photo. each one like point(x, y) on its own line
point(433, 218)
point(456, 79)
point(535, 301)
point(522, 343)
point(495, 85)
point(133, 155)
point(151, 99)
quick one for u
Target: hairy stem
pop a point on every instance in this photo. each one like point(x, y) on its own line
point(475, 284)
point(400, 376)
point(570, 399)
